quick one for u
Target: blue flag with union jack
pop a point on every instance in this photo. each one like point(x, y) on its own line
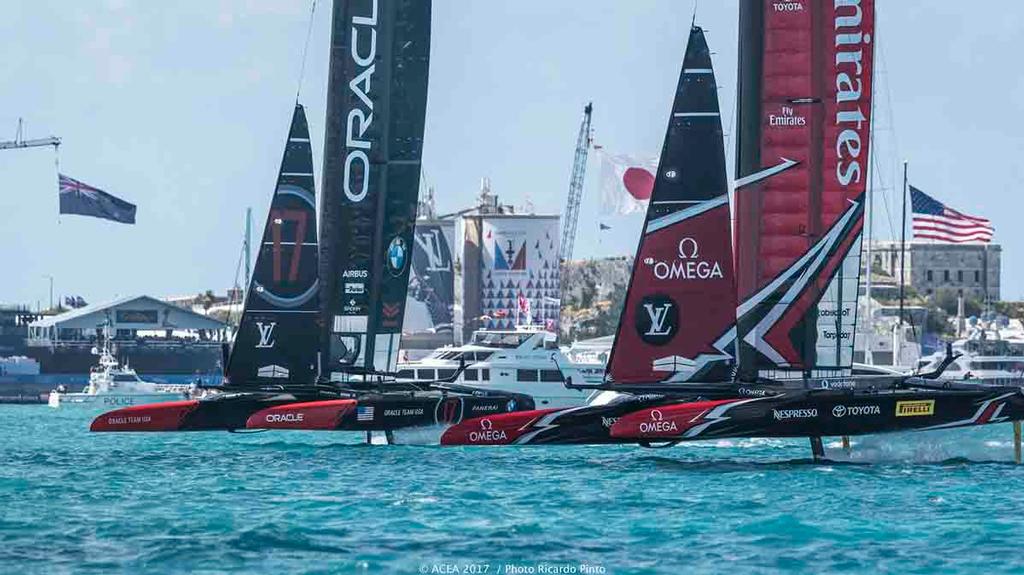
point(84, 200)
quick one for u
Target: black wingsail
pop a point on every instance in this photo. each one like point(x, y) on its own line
point(376, 106)
point(278, 334)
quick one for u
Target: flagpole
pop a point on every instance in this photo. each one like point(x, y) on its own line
point(56, 167)
point(903, 246)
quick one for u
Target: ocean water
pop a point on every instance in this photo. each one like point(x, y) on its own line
point(312, 502)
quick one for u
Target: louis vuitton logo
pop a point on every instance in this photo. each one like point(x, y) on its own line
point(266, 334)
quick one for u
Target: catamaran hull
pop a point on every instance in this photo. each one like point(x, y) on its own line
point(817, 415)
point(222, 412)
point(573, 426)
point(799, 414)
point(386, 412)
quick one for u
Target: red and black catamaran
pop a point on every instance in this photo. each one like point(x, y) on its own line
point(702, 352)
point(318, 340)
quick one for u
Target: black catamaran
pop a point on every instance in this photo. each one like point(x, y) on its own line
point(804, 94)
point(317, 345)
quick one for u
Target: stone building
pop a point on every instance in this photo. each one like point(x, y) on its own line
point(931, 267)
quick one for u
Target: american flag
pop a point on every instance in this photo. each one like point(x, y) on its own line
point(364, 413)
point(933, 220)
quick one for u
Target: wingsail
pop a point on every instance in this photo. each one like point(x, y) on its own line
point(376, 108)
point(678, 321)
point(804, 95)
point(277, 336)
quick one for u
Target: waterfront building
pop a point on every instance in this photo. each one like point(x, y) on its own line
point(156, 337)
point(971, 269)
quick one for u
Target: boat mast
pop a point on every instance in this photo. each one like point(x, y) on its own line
point(869, 358)
point(248, 247)
point(903, 263)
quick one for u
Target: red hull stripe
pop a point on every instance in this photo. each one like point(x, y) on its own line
point(166, 416)
point(665, 421)
point(500, 429)
point(323, 415)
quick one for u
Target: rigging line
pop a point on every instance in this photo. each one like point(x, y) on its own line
point(238, 272)
point(729, 149)
point(727, 136)
point(884, 75)
point(305, 51)
point(883, 189)
point(880, 47)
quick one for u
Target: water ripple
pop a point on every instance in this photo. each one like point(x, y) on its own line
point(327, 503)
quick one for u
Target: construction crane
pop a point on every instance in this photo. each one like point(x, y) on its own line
point(20, 142)
point(572, 206)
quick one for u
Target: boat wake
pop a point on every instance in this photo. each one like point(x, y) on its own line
point(987, 445)
point(430, 435)
point(992, 444)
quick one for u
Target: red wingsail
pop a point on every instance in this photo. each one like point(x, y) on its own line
point(805, 95)
point(678, 321)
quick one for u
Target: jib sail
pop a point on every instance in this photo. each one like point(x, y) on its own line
point(678, 321)
point(278, 334)
point(805, 95)
point(376, 104)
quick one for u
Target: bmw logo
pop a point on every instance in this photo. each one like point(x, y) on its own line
point(397, 255)
point(511, 405)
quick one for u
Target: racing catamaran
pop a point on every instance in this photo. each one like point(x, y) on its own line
point(273, 357)
point(317, 346)
point(677, 330)
point(804, 94)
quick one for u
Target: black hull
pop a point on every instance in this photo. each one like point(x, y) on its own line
point(829, 413)
point(374, 411)
point(424, 409)
point(587, 425)
point(816, 413)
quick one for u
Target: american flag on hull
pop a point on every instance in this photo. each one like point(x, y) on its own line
point(364, 413)
point(84, 200)
point(933, 220)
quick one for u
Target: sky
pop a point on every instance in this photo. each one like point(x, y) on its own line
point(183, 107)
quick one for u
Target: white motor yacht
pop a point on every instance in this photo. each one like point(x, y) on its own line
point(525, 360)
point(989, 353)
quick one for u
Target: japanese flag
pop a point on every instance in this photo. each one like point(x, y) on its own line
point(626, 183)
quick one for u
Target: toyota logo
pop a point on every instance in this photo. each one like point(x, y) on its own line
point(839, 411)
point(486, 425)
point(656, 415)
